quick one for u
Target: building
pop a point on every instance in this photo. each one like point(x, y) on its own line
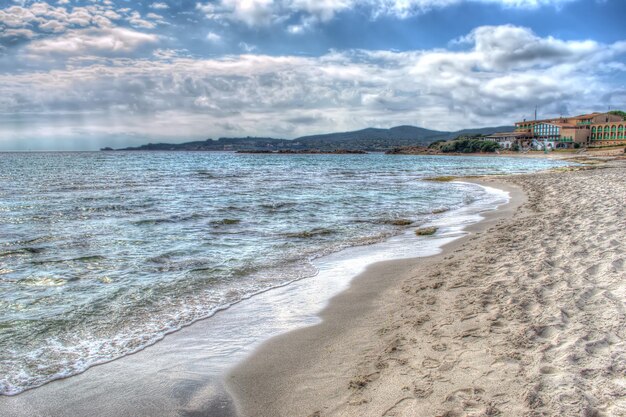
point(508, 140)
point(608, 134)
point(588, 130)
point(565, 132)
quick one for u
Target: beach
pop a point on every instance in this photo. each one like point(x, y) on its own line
point(523, 317)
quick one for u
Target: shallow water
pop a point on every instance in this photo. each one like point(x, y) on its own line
point(102, 254)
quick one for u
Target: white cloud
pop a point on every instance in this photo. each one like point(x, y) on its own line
point(111, 14)
point(136, 20)
point(213, 37)
point(322, 9)
point(92, 41)
point(16, 17)
point(250, 12)
point(503, 73)
point(44, 23)
point(406, 8)
point(266, 12)
point(12, 34)
point(52, 26)
point(159, 6)
point(246, 47)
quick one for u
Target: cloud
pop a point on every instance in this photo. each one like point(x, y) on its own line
point(159, 6)
point(136, 20)
point(267, 12)
point(499, 77)
point(17, 17)
point(13, 35)
point(509, 46)
point(213, 37)
point(250, 12)
point(92, 41)
point(309, 12)
point(41, 21)
point(407, 8)
point(246, 47)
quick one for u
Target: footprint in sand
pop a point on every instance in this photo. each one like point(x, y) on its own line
point(430, 363)
point(423, 388)
point(439, 347)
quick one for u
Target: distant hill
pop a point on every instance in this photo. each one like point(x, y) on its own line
point(370, 139)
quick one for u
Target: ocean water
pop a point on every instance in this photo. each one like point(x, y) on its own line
point(102, 254)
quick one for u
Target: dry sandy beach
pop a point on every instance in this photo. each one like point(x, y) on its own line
point(524, 317)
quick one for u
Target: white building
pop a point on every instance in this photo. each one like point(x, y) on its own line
point(506, 140)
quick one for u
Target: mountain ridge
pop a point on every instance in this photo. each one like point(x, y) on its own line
point(368, 139)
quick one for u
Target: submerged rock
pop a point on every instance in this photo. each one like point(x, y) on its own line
point(440, 210)
point(441, 179)
point(426, 231)
point(400, 222)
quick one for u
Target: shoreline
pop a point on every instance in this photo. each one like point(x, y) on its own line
point(165, 368)
point(280, 355)
point(359, 318)
point(521, 317)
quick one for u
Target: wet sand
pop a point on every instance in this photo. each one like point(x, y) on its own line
point(524, 317)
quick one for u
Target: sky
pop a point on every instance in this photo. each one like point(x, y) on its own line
point(84, 74)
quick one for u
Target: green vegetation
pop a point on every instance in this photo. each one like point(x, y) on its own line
point(466, 144)
point(436, 144)
point(619, 113)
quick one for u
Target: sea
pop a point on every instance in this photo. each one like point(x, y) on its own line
point(104, 253)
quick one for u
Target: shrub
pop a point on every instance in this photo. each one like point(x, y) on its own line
point(469, 146)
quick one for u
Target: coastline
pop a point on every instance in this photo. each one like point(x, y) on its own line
point(273, 368)
point(343, 364)
point(470, 332)
point(183, 372)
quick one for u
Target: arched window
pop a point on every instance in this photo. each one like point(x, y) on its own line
point(613, 128)
point(593, 129)
point(606, 129)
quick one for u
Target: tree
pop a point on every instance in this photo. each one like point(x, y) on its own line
point(618, 113)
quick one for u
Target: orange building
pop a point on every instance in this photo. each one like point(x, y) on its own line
point(608, 134)
point(595, 129)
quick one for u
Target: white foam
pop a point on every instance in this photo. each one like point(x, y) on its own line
point(230, 335)
point(244, 326)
